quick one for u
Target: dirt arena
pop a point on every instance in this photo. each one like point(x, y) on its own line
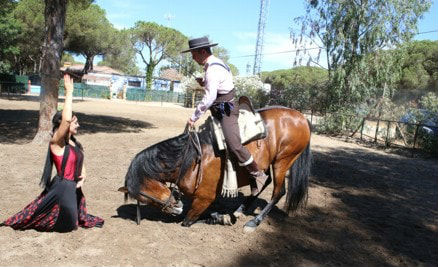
point(366, 207)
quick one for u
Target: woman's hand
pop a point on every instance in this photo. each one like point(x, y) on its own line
point(80, 182)
point(68, 84)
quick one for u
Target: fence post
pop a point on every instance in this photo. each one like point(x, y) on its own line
point(361, 128)
point(415, 139)
point(387, 143)
point(311, 116)
point(377, 130)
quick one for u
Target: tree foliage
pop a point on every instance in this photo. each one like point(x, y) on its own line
point(155, 43)
point(10, 29)
point(88, 33)
point(223, 54)
point(30, 14)
point(299, 87)
point(121, 54)
point(351, 30)
point(419, 65)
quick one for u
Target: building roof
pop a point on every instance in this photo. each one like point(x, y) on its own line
point(77, 68)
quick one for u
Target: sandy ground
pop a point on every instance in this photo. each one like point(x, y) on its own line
point(365, 207)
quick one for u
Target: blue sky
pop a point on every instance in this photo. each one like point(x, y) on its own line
point(232, 24)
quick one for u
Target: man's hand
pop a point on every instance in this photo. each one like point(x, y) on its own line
point(191, 123)
point(200, 81)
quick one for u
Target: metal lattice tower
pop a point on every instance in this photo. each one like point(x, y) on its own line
point(260, 34)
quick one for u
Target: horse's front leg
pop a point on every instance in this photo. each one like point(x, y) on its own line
point(199, 205)
point(244, 206)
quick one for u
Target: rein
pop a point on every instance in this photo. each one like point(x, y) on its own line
point(197, 145)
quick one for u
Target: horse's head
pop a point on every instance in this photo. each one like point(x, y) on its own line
point(167, 161)
point(157, 193)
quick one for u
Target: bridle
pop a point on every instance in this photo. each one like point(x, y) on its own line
point(193, 138)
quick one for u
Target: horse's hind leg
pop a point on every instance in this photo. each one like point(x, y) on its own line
point(252, 224)
point(250, 199)
point(280, 169)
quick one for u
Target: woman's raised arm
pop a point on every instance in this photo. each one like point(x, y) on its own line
point(60, 135)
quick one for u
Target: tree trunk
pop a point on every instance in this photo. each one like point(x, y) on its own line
point(149, 75)
point(54, 14)
point(88, 64)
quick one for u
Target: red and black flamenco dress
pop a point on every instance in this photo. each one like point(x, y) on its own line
point(61, 206)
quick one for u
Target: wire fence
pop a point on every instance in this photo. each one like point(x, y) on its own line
point(387, 132)
point(390, 133)
point(12, 88)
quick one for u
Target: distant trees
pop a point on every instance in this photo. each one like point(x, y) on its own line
point(155, 43)
point(299, 87)
point(9, 32)
point(121, 54)
point(419, 65)
point(187, 66)
point(222, 53)
point(351, 30)
point(88, 33)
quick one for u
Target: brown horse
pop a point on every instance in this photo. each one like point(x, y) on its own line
point(196, 167)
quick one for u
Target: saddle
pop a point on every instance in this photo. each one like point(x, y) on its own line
point(251, 124)
point(251, 127)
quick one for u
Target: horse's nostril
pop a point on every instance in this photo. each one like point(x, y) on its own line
point(179, 204)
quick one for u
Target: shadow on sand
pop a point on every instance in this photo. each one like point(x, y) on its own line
point(20, 126)
point(381, 216)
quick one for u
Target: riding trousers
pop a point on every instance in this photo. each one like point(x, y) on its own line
point(225, 109)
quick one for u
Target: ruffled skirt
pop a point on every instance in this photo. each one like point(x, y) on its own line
point(61, 208)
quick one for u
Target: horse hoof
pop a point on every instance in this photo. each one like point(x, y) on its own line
point(250, 227)
point(238, 214)
point(187, 223)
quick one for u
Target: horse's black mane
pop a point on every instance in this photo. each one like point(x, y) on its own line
point(165, 157)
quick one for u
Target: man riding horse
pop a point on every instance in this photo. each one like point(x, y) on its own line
point(220, 99)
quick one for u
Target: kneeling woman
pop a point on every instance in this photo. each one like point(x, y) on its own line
point(61, 206)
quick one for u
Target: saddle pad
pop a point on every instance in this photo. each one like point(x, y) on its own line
point(251, 127)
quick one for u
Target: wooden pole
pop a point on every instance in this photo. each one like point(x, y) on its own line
point(415, 140)
point(387, 143)
point(377, 130)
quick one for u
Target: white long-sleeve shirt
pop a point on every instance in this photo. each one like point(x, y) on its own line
point(217, 80)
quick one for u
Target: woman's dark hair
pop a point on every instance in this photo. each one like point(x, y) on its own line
point(47, 172)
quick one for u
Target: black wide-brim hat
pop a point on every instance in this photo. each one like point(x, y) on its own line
point(198, 43)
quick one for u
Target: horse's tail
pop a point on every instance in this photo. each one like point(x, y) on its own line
point(299, 181)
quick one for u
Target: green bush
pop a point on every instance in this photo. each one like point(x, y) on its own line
point(342, 121)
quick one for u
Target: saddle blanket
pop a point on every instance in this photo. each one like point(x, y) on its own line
point(251, 127)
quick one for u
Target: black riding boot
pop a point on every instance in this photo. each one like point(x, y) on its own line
point(257, 178)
